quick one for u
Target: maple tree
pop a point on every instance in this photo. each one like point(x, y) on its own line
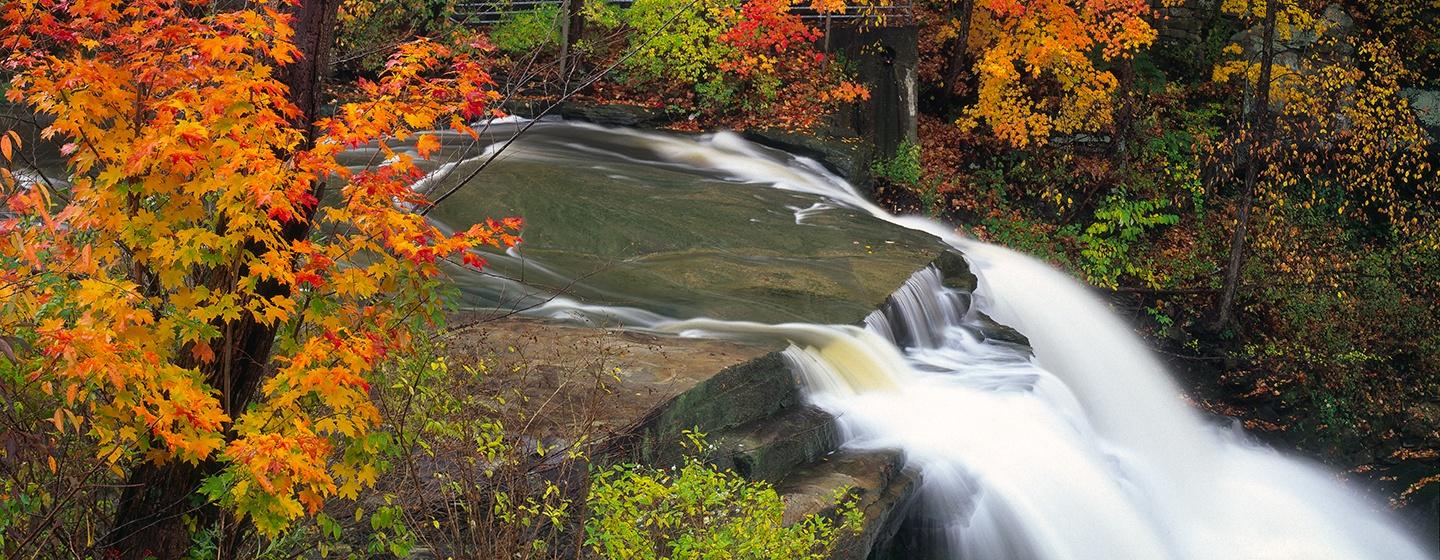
point(207, 293)
point(1040, 67)
point(755, 57)
point(773, 49)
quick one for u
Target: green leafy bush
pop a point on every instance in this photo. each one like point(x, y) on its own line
point(901, 169)
point(695, 511)
point(367, 29)
point(1107, 243)
point(526, 31)
point(677, 41)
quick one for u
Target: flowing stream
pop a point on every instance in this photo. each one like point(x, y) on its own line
point(1083, 450)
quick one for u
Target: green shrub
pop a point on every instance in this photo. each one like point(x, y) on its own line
point(677, 41)
point(368, 28)
point(901, 169)
point(602, 14)
point(695, 511)
point(1107, 244)
point(526, 31)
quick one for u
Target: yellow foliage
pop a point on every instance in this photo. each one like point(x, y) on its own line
point(1036, 69)
point(1343, 136)
point(193, 216)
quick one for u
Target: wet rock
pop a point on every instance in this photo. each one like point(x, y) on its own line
point(1423, 421)
point(657, 386)
point(956, 272)
point(771, 448)
point(744, 393)
point(847, 156)
point(633, 116)
point(422, 553)
point(885, 488)
point(1426, 104)
point(684, 247)
point(996, 331)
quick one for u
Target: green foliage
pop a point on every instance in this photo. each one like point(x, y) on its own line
point(603, 14)
point(698, 512)
point(1149, 78)
point(1173, 151)
point(524, 32)
point(1347, 331)
point(1108, 243)
point(740, 62)
point(1162, 319)
point(22, 501)
point(677, 41)
point(717, 95)
point(903, 168)
point(204, 545)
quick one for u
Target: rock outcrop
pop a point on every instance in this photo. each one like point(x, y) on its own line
point(742, 395)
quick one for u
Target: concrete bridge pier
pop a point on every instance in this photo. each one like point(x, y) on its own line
point(886, 59)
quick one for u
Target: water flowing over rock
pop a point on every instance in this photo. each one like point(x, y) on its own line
point(682, 227)
point(1039, 425)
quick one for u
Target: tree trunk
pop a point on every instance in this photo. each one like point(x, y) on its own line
point(958, 54)
point(1257, 137)
point(572, 25)
point(1125, 106)
point(149, 519)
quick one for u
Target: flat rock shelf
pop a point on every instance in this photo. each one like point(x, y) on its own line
point(743, 396)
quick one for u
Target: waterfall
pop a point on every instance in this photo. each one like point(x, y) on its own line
point(1082, 450)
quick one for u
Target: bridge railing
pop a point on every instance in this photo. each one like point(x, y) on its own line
point(895, 12)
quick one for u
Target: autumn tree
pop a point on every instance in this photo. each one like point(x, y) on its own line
point(774, 65)
point(203, 297)
point(1410, 27)
point(1254, 135)
point(1328, 130)
point(751, 62)
point(1041, 67)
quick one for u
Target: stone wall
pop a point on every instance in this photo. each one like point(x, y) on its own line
point(1184, 22)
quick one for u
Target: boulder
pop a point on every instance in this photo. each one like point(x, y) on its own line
point(846, 156)
point(1426, 104)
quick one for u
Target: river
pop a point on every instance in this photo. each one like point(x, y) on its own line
point(1082, 449)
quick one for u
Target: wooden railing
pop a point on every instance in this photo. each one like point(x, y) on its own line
point(895, 12)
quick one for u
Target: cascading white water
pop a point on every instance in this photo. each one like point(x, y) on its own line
point(1082, 451)
point(1093, 457)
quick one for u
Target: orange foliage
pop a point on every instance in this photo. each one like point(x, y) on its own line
point(774, 49)
point(190, 176)
point(1036, 64)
